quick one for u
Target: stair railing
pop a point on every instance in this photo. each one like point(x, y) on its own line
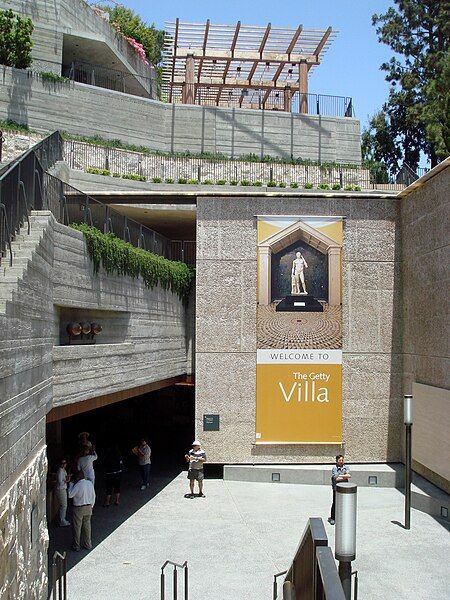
point(176, 566)
point(59, 576)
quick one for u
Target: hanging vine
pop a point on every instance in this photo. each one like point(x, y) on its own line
point(121, 258)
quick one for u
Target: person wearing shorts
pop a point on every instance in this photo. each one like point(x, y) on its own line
point(196, 459)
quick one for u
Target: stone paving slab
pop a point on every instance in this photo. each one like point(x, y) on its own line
point(237, 537)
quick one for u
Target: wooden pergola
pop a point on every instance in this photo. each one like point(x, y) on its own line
point(241, 65)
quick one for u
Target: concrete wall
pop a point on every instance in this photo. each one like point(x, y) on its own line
point(425, 271)
point(226, 327)
point(51, 274)
point(54, 18)
point(86, 110)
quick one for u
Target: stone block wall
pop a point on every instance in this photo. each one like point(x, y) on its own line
point(425, 271)
point(87, 110)
point(226, 327)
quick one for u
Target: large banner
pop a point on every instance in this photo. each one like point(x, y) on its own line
point(299, 330)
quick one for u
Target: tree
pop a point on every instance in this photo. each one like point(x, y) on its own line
point(15, 40)
point(416, 114)
point(132, 26)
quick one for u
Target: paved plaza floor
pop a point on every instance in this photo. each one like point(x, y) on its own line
point(242, 533)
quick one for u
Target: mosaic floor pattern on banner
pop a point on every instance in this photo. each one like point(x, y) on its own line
point(299, 329)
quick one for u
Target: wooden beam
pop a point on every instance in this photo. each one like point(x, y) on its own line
point(246, 55)
point(266, 97)
point(219, 92)
point(278, 72)
point(264, 40)
point(175, 42)
point(323, 41)
point(232, 82)
point(294, 39)
point(75, 408)
point(205, 41)
point(232, 48)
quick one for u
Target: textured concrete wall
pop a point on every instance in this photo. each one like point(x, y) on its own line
point(153, 327)
point(425, 270)
point(54, 18)
point(87, 110)
point(226, 327)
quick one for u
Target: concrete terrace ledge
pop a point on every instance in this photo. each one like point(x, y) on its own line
point(424, 495)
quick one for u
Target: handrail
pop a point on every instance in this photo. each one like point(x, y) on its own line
point(59, 575)
point(275, 583)
point(175, 565)
point(329, 585)
point(8, 235)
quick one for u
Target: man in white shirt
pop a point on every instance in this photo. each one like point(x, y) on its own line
point(196, 459)
point(61, 492)
point(83, 495)
point(86, 462)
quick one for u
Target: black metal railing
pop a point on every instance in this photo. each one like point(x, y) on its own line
point(313, 573)
point(21, 189)
point(233, 171)
point(176, 567)
point(111, 79)
point(59, 576)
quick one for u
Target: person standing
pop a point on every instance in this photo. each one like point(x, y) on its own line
point(339, 473)
point(113, 471)
point(83, 495)
point(62, 479)
point(86, 462)
point(144, 453)
point(196, 459)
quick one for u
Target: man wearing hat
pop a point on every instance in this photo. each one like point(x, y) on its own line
point(196, 459)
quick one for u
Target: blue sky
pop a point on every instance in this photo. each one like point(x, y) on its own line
point(350, 67)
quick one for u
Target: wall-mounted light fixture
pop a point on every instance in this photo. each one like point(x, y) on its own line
point(83, 333)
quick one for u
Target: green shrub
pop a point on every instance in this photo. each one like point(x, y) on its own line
point(182, 180)
point(221, 181)
point(10, 125)
point(357, 188)
point(134, 177)
point(208, 182)
point(96, 171)
point(323, 186)
point(257, 183)
point(271, 184)
point(117, 175)
point(336, 186)
point(193, 182)
point(169, 180)
point(281, 184)
point(15, 40)
point(234, 182)
point(294, 184)
point(54, 77)
point(121, 258)
point(308, 186)
point(352, 188)
point(156, 180)
point(246, 182)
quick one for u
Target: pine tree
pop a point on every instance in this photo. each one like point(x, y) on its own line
point(417, 111)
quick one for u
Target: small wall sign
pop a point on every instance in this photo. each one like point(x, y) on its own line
point(210, 422)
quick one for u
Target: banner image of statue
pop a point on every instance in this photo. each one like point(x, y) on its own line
point(299, 330)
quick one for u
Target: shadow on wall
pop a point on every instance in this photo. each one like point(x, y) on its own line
point(19, 94)
point(253, 137)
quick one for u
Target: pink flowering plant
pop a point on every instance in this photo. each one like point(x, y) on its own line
point(139, 48)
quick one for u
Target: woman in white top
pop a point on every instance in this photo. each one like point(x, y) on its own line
point(61, 492)
point(86, 463)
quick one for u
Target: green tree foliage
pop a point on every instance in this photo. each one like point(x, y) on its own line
point(131, 25)
point(417, 112)
point(15, 40)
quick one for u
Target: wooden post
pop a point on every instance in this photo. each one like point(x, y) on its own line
point(287, 99)
point(303, 86)
point(189, 82)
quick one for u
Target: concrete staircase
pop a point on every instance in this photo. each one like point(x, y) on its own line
point(22, 249)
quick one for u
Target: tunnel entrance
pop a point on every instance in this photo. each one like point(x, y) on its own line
point(165, 417)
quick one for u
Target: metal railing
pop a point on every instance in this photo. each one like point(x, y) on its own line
point(232, 171)
point(27, 186)
point(111, 79)
point(59, 576)
point(176, 566)
point(312, 574)
point(21, 188)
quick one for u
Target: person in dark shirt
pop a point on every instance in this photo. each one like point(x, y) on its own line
point(339, 473)
point(113, 474)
